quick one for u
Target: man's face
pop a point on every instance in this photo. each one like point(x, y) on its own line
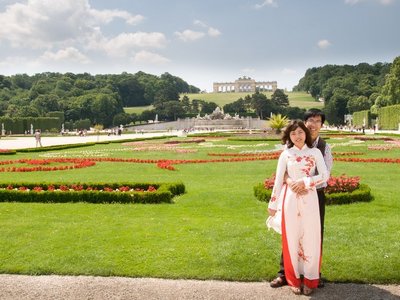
point(314, 124)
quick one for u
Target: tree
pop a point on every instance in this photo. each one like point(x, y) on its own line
point(279, 98)
point(130, 91)
point(208, 107)
point(167, 89)
point(173, 110)
point(237, 107)
point(121, 119)
point(391, 90)
point(261, 104)
point(104, 108)
point(186, 104)
point(294, 112)
point(358, 103)
point(337, 106)
point(46, 103)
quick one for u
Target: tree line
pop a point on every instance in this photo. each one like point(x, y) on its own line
point(255, 105)
point(98, 99)
point(346, 89)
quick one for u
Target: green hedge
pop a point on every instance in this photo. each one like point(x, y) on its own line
point(56, 147)
point(164, 193)
point(362, 194)
point(8, 152)
point(389, 117)
point(20, 125)
point(360, 116)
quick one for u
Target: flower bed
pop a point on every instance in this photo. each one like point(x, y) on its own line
point(91, 193)
point(44, 164)
point(7, 152)
point(340, 190)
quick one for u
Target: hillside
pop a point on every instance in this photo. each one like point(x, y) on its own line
point(299, 99)
point(296, 99)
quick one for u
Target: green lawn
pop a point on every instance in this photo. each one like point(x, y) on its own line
point(137, 109)
point(299, 99)
point(296, 99)
point(214, 231)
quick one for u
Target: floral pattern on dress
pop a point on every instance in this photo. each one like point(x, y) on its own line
point(309, 165)
point(300, 252)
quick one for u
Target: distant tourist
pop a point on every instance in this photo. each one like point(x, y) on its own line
point(38, 138)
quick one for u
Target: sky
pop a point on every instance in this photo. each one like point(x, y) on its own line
point(200, 41)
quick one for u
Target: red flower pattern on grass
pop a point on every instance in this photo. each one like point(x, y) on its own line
point(77, 188)
point(42, 164)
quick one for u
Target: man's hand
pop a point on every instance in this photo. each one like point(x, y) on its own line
point(272, 212)
point(298, 187)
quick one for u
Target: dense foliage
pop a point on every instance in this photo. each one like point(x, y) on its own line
point(259, 105)
point(347, 89)
point(95, 99)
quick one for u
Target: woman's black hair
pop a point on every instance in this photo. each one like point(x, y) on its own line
point(293, 125)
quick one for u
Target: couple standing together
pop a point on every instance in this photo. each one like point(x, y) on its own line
point(298, 201)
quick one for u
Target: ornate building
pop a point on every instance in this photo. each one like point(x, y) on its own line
point(244, 84)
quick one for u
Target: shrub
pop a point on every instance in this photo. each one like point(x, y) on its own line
point(340, 190)
point(91, 193)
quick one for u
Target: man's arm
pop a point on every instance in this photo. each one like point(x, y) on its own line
point(298, 187)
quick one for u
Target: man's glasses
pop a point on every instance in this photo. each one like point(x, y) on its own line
point(312, 121)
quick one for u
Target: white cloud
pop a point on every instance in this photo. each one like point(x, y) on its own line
point(106, 16)
point(69, 54)
point(200, 23)
point(213, 32)
point(271, 3)
point(126, 43)
point(323, 44)
point(149, 57)
point(189, 35)
point(44, 23)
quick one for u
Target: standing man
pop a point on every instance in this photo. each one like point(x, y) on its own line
point(314, 119)
point(38, 138)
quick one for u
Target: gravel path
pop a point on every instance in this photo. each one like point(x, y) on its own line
point(23, 287)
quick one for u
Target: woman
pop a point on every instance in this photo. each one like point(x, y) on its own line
point(301, 233)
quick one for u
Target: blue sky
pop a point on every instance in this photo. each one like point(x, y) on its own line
point(201, 41)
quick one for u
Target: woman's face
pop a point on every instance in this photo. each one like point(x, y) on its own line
point(298, 137)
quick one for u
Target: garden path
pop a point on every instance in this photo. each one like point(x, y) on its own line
point(54, 287)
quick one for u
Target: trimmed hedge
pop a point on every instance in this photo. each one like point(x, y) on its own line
point(362, 194)
point(56, 147)
point(87, 144)
point(389, 117)
point(7, 152)
point(164, 193)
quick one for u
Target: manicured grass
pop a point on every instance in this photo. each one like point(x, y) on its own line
point(214, 231)
point(137, 109)
point(298, 99)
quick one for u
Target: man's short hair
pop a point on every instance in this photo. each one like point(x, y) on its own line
point(313, 112)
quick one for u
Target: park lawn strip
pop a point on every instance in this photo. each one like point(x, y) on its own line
point(214, 231)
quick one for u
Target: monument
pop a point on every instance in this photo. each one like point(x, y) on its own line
point(244, 84)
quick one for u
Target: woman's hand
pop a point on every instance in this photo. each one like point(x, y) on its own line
point(298, 187)
point(271, 212)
